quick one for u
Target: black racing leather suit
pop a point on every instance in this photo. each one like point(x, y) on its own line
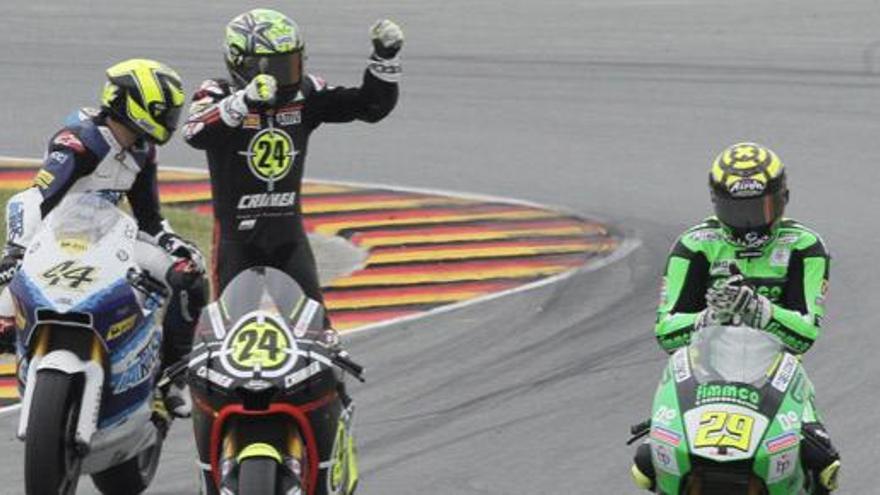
point(256, 167)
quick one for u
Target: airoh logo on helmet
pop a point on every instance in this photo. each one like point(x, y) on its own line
point(747, 188)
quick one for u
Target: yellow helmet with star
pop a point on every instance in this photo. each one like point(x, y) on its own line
point(747, 183)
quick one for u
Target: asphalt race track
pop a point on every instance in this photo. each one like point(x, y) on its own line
point(611, 108)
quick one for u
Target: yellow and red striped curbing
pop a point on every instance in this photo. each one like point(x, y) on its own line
point(425, 249)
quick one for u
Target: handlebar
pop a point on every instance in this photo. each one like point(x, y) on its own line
point(343, 361)
point(147, 284)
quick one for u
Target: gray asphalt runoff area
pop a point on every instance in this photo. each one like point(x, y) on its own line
point(612, 108)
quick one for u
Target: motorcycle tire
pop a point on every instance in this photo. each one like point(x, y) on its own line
point(51, 463)
point(257, 476)
point(133, 476)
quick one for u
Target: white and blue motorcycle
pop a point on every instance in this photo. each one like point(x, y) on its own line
point(88, 349)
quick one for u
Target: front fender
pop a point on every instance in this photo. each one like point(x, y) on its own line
point(67, 362)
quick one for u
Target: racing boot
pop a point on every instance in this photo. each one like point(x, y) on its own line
point(820, 457)
point(642, 470)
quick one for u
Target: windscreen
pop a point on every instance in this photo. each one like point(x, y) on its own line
point(269, 289)
point(84, 218)
point(733, 354)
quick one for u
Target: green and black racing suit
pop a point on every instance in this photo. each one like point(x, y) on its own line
point(791, 271)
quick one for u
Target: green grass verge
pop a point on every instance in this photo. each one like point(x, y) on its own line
point(189, 224)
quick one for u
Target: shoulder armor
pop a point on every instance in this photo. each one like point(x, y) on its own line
point(81, 137)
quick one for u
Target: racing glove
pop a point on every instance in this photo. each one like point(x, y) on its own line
point(179, 247)
point(258, 95)
point(732, 296)
point(387, 40)
point(10, 263)
point(710, 318)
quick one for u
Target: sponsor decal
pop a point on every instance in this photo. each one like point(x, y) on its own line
point(305, 318)
point(785, 240)
point(73, 245)
point(247, 224)
point(214, 377)
point(744, 395)
point(121, 327)
point(664, 459)
point(780, 256)
point(69, 140)
point(270, 155)
point(785, 373)
point(340, 476)
point(288, 117)
point(15, 220)
point(301, 375)
point(746, 188)
point(251, 121)
point(141, 370)
point(681, 368)
point(664, 415)
point(789, 421)
point(706, 235)
point(44, 179)
point(781, 466)
point(665, 435)
point(782, 442)
point(721, 268)
point(267, 200)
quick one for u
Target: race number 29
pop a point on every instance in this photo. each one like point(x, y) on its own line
point(723, 429)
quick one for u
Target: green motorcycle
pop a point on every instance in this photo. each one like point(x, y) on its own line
point(727, 417)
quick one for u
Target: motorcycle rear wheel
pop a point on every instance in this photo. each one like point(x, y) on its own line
point(51, 463)
point(258, 476)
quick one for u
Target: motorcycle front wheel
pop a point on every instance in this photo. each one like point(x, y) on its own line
point(51, 464)
point(257, 476)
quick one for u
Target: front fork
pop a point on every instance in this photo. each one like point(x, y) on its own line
point(272, 437)
point(286, 436)
point(86, 358)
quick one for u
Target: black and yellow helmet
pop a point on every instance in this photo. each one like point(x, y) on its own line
point(265, 41)
point(747, 183)
point(146, 96)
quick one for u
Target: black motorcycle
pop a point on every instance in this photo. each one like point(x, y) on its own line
point(269, 414)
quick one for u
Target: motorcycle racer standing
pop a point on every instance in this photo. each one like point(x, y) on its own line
point(747, 265)
point(113, 151)
point(255, 128)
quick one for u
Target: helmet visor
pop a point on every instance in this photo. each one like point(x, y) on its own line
point(749, 213)
point(286, 68)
